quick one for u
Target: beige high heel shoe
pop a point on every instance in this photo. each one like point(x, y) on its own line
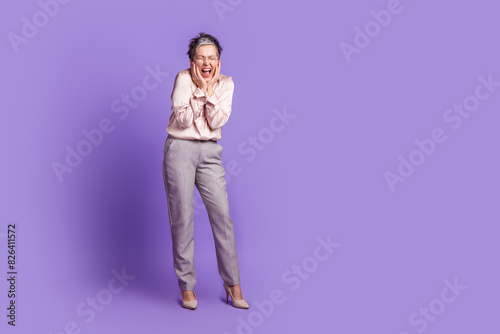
point(191, 304)
point(239, 303)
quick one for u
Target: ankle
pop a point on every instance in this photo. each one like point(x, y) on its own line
point(188, 295)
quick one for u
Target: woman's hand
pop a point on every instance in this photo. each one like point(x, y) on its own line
point(214, 79)
point(197, 78)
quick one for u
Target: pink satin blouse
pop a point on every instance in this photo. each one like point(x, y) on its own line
point(196, 116)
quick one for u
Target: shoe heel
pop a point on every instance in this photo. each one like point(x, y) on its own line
point(239, 303)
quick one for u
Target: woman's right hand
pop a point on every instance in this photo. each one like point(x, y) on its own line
point(197, 78)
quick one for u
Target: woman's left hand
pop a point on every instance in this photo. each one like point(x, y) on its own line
point(214, 79)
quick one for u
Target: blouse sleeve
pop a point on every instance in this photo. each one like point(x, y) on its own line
point(186, 105)
point(218, 107)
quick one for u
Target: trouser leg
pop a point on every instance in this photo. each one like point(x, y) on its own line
point(179, 168)
point(212, 188)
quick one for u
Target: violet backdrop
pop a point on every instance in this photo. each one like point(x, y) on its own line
point(363, 179)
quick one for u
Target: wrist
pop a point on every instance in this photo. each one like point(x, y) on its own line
point(210, 91)
point(203, 89)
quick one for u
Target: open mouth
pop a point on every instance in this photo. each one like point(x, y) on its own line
point(206, 72)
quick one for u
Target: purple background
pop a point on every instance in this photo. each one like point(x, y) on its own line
point(322, 175)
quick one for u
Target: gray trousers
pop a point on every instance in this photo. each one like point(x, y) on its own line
point(187, 163)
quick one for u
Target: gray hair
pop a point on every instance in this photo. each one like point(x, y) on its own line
point(203, 39)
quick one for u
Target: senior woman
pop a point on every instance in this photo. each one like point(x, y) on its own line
point(201, 105)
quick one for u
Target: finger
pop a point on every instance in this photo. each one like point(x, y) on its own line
point(216, 67)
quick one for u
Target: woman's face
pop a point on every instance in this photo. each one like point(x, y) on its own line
point(206, 60)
